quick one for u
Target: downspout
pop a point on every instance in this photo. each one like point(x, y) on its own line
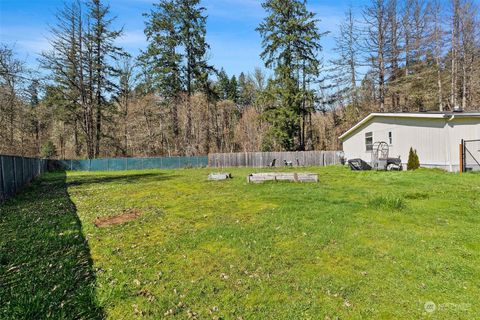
point(449, 150)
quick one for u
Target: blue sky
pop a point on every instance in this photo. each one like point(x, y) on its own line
point(235, 45)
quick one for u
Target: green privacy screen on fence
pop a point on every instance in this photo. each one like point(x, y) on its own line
point(16, 172)
point(120, 164)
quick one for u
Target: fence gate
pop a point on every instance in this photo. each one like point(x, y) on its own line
point(470, 155)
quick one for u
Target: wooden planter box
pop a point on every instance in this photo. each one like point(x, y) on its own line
point(282, 176)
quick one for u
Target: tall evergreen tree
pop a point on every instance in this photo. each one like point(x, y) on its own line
point(192, 32)
point(81, 64)
point(124, 97)
point(246, 91)
point(66, 62)
point(176, 31)
point(233, 89)
point(290, 40)
point(162, 59)
point(102, 41)
point(223, 84)
point(34, 102)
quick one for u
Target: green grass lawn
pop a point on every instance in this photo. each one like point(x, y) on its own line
point(355, 245)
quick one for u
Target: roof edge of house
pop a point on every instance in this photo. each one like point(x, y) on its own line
point(438, 115)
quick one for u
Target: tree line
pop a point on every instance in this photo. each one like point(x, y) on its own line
point(93, 99)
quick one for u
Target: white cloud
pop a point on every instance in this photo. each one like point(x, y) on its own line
point(28, 41)
point(132, 38)
point(37, 45)
point(234, 9)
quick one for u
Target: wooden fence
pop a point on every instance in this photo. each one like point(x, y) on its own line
point(265, 159)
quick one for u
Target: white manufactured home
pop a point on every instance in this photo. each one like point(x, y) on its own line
point(435, 136)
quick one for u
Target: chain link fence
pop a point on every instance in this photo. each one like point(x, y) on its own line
point(17, 172)
point(122, 164)
point(470, 155)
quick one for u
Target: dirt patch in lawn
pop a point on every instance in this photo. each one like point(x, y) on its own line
point(127, 215)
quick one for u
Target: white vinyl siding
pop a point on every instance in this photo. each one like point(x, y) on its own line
point(435, 139)
point(426, 135)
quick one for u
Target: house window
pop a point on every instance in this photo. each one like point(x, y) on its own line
point(369, 141)
point(390, 138)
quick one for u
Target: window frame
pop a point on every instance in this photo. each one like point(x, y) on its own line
point(369, 146)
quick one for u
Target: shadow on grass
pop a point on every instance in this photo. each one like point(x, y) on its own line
point(120, 178)
point(45, 263)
